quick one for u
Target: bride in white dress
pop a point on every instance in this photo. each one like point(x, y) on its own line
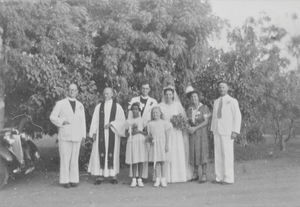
point(178, 169)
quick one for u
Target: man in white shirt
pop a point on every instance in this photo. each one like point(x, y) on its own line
point(145, 101)
point(146, 104)
point(226, 124)
point(69, 116)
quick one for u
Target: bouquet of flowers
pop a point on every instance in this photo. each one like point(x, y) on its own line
point(199, 119)
point(134, 129)
point(179, 122)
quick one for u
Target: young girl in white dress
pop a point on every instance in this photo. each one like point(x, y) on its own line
point(136, 148)
point(158, 132)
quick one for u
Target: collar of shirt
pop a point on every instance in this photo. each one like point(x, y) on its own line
point(71, 99)
point(224, 97)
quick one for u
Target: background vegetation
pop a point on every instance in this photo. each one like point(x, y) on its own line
point(97, 43)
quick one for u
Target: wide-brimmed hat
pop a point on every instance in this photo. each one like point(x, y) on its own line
point(189, 90)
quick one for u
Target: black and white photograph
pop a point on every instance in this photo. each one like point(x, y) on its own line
point(150, 103)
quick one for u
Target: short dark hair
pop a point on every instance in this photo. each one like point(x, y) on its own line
point(144, 83)
point(223, 81)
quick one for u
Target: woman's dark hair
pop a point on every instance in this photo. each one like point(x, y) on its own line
point(168, 89)
point(137, 104)
point(199, 93)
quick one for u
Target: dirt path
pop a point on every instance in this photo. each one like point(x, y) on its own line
point(270, 182)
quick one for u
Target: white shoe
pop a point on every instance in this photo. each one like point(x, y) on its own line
point(133, 183)
point(163, 182)
point(140, 182)
point(157, 182)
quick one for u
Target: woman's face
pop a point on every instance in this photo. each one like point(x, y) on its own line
point(169, 96)
point(194, 98)
point(135, 111)
point(156, 114)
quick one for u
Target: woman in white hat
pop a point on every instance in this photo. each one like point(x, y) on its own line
point(198, 115)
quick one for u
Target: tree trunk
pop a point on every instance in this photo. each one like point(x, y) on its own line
point(280, 137)
point(2, 85)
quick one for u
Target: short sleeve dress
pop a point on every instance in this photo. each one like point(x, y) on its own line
point(158, 130)
point(136, 147)
point(199, 151)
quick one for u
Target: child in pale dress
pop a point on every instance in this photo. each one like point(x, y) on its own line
point(136, 148)
point(158, 132)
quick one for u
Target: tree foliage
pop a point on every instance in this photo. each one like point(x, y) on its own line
point(119, 43)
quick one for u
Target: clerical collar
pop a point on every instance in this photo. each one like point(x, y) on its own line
point(144, 97)
point(71, 99)
point(108, 101)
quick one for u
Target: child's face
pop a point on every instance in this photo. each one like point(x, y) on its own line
point(135, 111)
point(156, 114)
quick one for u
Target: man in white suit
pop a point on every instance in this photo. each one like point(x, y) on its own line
point(146, 104)
point(145, 101)
point(226, 124)
point(69, 116)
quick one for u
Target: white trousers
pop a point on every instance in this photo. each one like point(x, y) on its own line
point(69, 155)
point(224, 158)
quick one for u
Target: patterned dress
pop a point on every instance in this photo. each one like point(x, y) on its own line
point(199, 151)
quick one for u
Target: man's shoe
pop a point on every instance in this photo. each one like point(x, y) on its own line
point(216, 182)
point(66, 185)
point(74, 184)
point(226, 183)
point(97, 182)
point(195, 178)
point(203, 179)
point(114, 181)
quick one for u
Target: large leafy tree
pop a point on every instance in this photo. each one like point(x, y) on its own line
point(45, 47)
point(148, 39)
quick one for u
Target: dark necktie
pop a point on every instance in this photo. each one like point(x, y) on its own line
point(143, 101)
point(73, 105)
point(219, 114)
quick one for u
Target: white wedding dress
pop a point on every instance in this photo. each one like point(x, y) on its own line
point(179, 169)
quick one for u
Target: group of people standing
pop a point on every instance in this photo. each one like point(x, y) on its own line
point(178, 155)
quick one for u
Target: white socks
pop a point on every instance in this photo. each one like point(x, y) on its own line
point(137, 182)
point(160, 181)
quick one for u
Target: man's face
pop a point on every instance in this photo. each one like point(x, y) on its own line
point(145, 89)
point(108, 93)
point(223, 89)
point(73, 91)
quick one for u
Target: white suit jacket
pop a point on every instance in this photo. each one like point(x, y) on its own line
point(147, 111)
point(63, 111)
point(231, 117)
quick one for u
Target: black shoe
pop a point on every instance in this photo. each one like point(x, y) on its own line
point(114, 181)
point(67, 185)
point(97, 182)
point(216, 182)
point(225, 183)
point(195, 178)
point(203, 179)
point(73, 184)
